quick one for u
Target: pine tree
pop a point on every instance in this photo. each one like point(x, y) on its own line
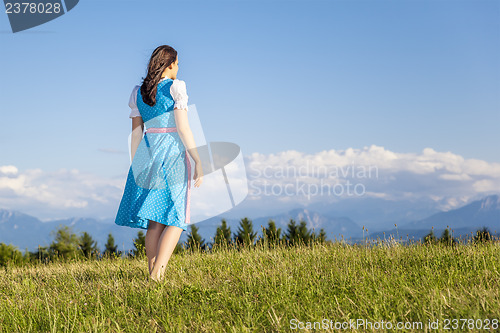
point(292, 233)
point(304, 233)
point(87, 245)
point(273, 234)
point(245, 235)
point(482, 236)
point(430, 238)
point(111, 249)
point(139, 245)
point(446, 238)
point(223, 234)
point(320, 238)
point(194, 240)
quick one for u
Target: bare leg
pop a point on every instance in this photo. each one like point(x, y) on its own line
point(166, 245)
point(152, 237)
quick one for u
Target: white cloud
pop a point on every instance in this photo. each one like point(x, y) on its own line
point(486, 185)
point(62, 193)
point(439, 176)
point(8, 170)
point(451, 176)
point(289, 177)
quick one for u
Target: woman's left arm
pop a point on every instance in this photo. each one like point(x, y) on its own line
point(137, 123)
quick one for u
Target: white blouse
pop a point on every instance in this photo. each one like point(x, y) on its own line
point(177, 90)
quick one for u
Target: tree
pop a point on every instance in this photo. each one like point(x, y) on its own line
point(320, 238)
point(66, 243)
point(245, 235)
point(9, 253)
point(482, 236)
point(446, 238)
point(304, 232)
point(139, 245)
point(223, 234)
point(194, 240)
point(292, 233)
point(430, 238)
point(271, 234)
point(87, 245)
point(111, 250)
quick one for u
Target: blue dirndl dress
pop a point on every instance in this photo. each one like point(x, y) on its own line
point(158, 181)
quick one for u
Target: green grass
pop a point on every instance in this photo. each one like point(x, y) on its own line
point(256, 290)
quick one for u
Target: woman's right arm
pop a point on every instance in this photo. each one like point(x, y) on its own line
point(137, 129)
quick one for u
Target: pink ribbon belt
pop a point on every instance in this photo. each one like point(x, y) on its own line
point(161, 129)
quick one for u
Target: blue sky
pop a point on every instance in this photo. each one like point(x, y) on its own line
point(270, 76)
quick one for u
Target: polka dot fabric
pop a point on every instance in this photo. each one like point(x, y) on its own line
point(157, 186)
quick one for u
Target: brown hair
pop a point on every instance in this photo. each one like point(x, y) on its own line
point(161, 58)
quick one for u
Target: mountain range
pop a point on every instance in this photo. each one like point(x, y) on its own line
point(28, 232)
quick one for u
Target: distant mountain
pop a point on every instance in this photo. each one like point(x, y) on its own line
point(25, 231)
point(477, 213)
point(378, 213)
point(14, 217)
point(20, 229)
point(462, 221)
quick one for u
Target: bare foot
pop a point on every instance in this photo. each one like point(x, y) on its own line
point(153, 278)
point(156, 276)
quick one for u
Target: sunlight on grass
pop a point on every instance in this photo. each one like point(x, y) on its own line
point(255, 289)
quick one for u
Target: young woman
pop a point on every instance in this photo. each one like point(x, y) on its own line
point(157, 191)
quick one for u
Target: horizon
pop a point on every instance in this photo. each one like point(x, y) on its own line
point(224, 217)
point(282, 221)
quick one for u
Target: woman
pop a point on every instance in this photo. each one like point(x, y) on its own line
point(157, 192)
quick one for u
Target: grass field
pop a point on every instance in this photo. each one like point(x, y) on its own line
point(261, 290)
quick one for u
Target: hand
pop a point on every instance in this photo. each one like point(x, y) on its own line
point(198, 175)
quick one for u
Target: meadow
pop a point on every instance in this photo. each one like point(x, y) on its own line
point(263, 289)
